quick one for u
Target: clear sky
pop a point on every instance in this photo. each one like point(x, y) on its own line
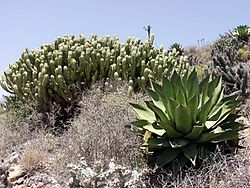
point(30, 23)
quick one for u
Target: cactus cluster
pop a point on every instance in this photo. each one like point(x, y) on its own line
point(59, 71)
point(235, 79)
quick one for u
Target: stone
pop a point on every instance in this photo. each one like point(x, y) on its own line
point(12, 159)
point(40, 185)
point(16, 172)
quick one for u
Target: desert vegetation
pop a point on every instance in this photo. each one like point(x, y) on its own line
point(96, 112)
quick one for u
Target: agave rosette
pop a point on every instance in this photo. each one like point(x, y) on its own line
point(185, 119)
point(242, 32)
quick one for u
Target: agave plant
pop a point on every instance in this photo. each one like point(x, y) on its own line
point(242, 33)
point(185, 120)
point(178, 47)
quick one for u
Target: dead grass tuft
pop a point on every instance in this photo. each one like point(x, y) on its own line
point(33, 159)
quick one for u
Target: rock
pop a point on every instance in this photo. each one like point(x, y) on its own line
point(19, 181)
point(40, 185)
point(16, 172)
point(12, 159)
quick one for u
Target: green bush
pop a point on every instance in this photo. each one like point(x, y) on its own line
point(60, 71)
point(185, 120)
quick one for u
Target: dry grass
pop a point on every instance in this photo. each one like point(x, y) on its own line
point(33, 159)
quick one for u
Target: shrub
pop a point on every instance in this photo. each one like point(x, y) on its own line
point(244, 53)
point(185, 120)
point(60, 71)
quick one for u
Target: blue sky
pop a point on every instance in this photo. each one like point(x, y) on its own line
point(29, 23)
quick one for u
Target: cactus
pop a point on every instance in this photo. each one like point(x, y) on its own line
point(60, 71)
point(235, 79)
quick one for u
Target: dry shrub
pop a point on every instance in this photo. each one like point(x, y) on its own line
point(9, 136)
point(18, 126)
point(100, 127)
point(33, 158)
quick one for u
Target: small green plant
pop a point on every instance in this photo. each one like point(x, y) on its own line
point(185, 120)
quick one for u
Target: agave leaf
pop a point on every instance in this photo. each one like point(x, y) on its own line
point(219, 116)
point(231, 103)
point(191, 152)
point(154, 128)
point(216, 93)
point(156, 142)
point(172, 105)
point(185, 78)
point(178, 143)
point(157, 111)
point(147, 136)
point(193, 106)
point(156, 87)
point(183, 119)
point(217, 104)
point(180, 97)
point(192, 84)
point(179, 163)
point(214, 86)
point(176, 80)
point(203, 89)
point(215, 118)
point(156, 99)
point(143, 112)
point(205, 152)
point(231, 126)
point(227, 135)
point(167, 88)
point(205, 109)
point(167, 156)
point(229, 98)
point(209, 136)
point(170, 130)
point(140, 123)
point(196, 132)
point(165, 102)
point(227, 107)
point(231, 118)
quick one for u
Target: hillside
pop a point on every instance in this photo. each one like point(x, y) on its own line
point(83, 128)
